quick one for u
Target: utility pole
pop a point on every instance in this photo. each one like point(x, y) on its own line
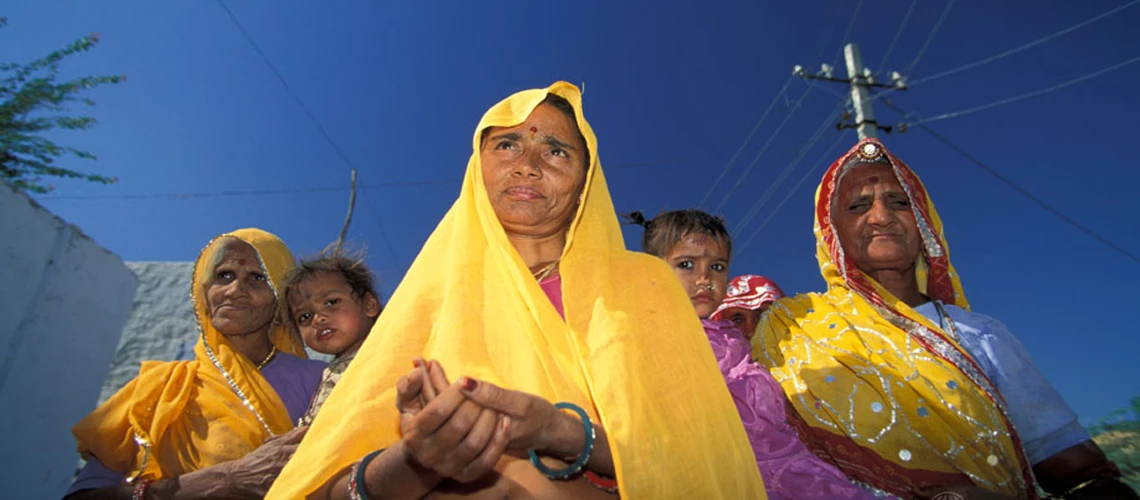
point(859, 76)
point(861, 80)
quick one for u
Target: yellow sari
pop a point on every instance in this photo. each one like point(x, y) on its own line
point(630, 351)
point(880, 391)
point(182, 416)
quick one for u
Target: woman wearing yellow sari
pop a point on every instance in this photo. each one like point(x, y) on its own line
point(894, 379)
point(199, 429)
point(526, 285)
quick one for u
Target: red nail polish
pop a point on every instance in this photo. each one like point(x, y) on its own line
point(415, 363)
point(469, 384)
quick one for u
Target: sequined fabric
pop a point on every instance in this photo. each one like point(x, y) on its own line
point(789, 469)
point(878, 390)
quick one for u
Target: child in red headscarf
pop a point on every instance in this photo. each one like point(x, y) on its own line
point(747, 298)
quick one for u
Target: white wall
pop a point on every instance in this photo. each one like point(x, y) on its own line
point(161, 325)
point(63, 302)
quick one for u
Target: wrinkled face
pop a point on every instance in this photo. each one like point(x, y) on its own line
point(534, 172)
point(238, 296)
point(329, 317)
point(702, 265)
point(874, 220)
point(744, 319)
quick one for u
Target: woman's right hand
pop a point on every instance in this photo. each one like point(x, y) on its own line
point(252, 475)
point(444, 431)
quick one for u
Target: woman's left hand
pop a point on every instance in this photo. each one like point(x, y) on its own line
point(535, 423)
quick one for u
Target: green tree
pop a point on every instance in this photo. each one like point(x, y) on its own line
point(1118, 435)
point(33, 103)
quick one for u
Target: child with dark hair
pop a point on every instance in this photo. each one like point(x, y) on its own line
point(333, 306)
point(698, 248)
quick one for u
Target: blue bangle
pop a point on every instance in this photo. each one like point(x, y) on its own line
point(356, 487)
point(583, 457)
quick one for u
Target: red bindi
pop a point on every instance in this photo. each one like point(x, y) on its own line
point(241, 262)
point(534, 130)
point(874, 180)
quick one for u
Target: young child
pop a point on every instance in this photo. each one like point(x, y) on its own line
point(745, 301)
point(698, 248)
point(333, 305)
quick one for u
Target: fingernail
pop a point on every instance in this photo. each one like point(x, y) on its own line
point(506, 422)
point(416, 362)
point(469, 384)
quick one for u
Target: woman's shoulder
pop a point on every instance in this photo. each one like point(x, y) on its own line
point(975, 319)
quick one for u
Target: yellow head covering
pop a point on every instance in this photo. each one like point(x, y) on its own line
point(878, 389)
point(631, 351)
point(182, 416)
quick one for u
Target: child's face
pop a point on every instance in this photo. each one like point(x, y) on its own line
point(331, 320)
point(702, 264)
point(744, 319)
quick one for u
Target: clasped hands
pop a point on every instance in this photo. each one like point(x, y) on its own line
point(460, 430)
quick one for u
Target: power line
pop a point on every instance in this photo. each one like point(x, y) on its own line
point(1024, 96)
point(1015, 50)
point(284, 83)
point(895, 40)
point(299, 190)
point(383, 234)
point(847, 33)
point(822, 161)
point(775, 184)
point(1024, 192)
point(796, 106)
point(250, 192)
point(930, 38)
point(1034, 43)
point(751, 133)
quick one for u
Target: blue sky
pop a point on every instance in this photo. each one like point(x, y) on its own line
point(672, 89)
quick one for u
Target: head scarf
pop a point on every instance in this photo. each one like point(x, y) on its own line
point(749, 292)
point(878, 389)
point(181, 416)
point(470, 302)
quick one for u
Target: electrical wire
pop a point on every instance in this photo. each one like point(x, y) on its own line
point(930, 38)
point(1024, 96)
point(847, 33)
point(383, 234)
point(250, 192)
point(281, 78)
point(1020, 48)
point(747, 139)
point(264, 192)
point(898, 33)
point(1015, 50)
point(791, 112)
point(822, 161)
point(1020, 190)
point(775, 184)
